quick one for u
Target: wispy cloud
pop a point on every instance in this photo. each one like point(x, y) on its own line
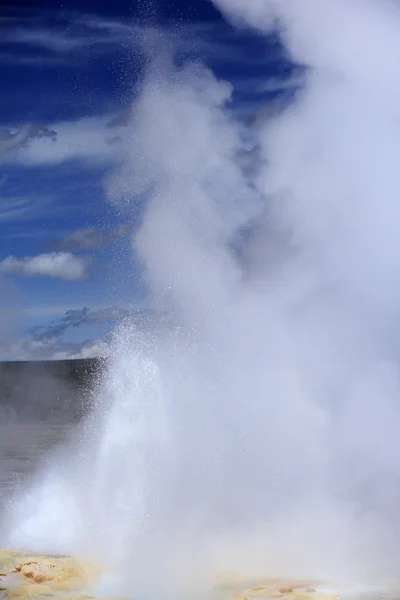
point(16, 209)
point(61, 265)
point(35, 60)
point(74, 39)
point(89, 139)
point(48, 342)
point(79, 317)
point(88, 239)
point(120, 28)
point(273, 84)
point(37, 194)
point(53, 349)
point(13, 140)
point(70, 35)
point(54, 41)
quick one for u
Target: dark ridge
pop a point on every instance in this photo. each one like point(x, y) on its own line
point(58, 391)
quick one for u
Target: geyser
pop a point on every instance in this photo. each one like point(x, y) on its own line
point(254, 429)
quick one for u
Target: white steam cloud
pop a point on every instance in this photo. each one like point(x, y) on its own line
point(260, 433)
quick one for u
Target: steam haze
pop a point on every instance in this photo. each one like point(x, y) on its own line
point(256, 430)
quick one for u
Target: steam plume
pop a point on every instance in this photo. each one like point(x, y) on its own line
point(263, 423)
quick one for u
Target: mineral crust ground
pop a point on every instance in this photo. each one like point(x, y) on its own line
point(35, 577)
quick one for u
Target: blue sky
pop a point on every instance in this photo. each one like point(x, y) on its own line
point(68, 76)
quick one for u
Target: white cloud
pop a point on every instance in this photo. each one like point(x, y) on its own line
point(57, 265)
point(86, 349)
point(12, 140)
point(54, 349)
point(90, 139)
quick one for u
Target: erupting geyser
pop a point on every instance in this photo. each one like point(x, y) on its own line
point(255, 429)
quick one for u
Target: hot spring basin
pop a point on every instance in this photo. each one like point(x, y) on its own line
point(25, 575)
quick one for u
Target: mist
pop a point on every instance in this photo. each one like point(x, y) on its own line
point(46, 391)
point(254, 429)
